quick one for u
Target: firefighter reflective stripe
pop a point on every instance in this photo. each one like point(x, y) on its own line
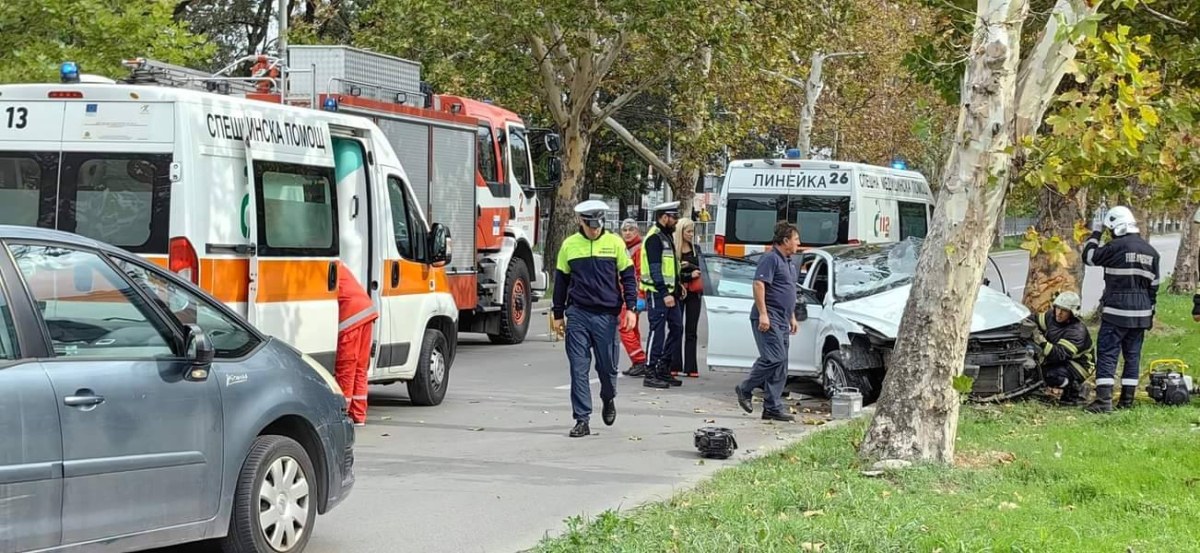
point(1046, 349)
point(1041, 321)
point(1128, 271)
point(1069, 347)
point(1131, 313)
point(1129, 382)
point(1105, 381)
point(357, 318)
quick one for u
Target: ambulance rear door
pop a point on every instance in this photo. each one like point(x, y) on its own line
point(291, 201)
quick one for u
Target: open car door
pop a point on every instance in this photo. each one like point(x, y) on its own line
point(728, 301)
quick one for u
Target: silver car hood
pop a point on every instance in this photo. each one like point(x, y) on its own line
point(882, 312)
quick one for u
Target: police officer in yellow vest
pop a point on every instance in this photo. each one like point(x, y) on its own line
point(660, 281)
point(594, 279)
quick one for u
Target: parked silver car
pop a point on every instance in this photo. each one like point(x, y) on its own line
point(137, 412)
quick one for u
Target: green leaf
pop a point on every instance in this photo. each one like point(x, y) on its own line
point(963, 384)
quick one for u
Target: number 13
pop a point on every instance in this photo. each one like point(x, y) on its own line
point(17, 117)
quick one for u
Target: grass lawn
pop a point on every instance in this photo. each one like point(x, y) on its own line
point(1028, 478)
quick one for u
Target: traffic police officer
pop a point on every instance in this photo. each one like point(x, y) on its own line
point(593, 285)
point(1066, 348)
point(660, 281)
point(1127, 305)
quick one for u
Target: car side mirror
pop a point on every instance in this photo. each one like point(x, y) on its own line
point(553, 142)
point(440, 245)
point(554, 171)
point(807, 296)
point(200, 353)
point(801, 312)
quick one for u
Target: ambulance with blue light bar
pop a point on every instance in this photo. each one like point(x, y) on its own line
point(255, 202)
point(831, 202)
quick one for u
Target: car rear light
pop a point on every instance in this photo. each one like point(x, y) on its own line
point(65, 94)
point(182, 260)
point(719, 244)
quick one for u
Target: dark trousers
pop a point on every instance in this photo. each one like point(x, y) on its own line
point(685, 359)
point(770, 370)
point(1111, 342)
point(1059, 375)
point(666, 329)
point(590, 333)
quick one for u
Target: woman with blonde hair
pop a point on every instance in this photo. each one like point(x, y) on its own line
point(684, 361)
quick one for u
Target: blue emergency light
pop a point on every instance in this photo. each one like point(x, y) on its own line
point(331, 104)
point(69, 72)
point(898, 163)
point(792, 153)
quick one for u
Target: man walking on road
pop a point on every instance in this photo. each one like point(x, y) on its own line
point(774, 321)
point(660, 282)
point(1127, 305)
point(632, 338)
point(594, 285)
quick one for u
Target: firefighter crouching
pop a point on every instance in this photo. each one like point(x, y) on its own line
point(1127, 306)
point(1065, 349)
point(356, 318)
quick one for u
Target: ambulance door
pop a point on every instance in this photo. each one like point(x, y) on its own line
point(292, 291)
point(355, 221)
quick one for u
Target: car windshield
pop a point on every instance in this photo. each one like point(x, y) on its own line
point(862, 271)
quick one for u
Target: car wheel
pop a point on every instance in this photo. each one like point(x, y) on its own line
point(514, 317)
point(428, 387)
point(274, 506)
point(835, 376)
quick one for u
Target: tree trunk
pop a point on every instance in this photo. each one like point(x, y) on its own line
point(1056, 216)
point(917, 414)
point(1183, 279)
point(576, 144)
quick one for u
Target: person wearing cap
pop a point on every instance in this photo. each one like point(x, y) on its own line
point(660, 282)
point(1065, 349)
point(631, 338)
point(594, 284)
point(1131, 280)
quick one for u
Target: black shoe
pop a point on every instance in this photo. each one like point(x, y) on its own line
point(673, 381)
point(746, 401)
point(637, 370)
point(1071, 396)
point(609, 412)
point(1127, 393)
point(1103, 403)
point(655, 382)
point(581, 429)
point(781, 417)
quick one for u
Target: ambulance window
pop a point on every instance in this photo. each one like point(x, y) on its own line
point(28, 182)
point(119, 198)
point(420, 236)
point(822, 220)
point(752, 219)
point(298, 213)
point(487, 153)
point(519, 157)
point(400, 217)
point(914, 220)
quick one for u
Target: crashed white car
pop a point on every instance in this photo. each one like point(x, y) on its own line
point(854, 314)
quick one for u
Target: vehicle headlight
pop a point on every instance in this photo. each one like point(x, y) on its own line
point(319, 369)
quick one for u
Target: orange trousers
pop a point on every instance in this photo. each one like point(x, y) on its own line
point(632, 340)
point(353, 357)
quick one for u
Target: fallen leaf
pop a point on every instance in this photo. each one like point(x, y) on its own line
point(700, 462)
point(710, 421)
point(817, 513)
point(385, 435)
point(635, 438)
point(385, 418)
point(810, 546)
point(699, 411)
point(885, 494)
point(476, 429)
point(1008, 506)
point(813, 422)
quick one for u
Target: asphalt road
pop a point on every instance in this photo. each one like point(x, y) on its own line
point(1014, 266)
point(492, 470)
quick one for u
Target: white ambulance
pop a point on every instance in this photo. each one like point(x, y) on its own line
point(831, 202)
point(254, 202)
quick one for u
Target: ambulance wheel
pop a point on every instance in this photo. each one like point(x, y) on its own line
point(514, 317)
point(428, 387)
point(274, 506)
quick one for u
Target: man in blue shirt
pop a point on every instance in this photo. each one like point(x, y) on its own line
point(774, 321)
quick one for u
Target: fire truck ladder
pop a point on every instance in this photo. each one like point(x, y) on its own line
point(149, 71)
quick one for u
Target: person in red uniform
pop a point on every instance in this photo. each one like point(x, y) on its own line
point(356, 318)
point(632, 338)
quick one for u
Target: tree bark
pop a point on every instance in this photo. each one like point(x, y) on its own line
point(917, 414)
point(1183, 279)
point(1056, 216)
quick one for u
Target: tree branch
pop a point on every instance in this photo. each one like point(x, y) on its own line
point(629, 95)
point(634, 144)
point(1162, 16)
point(554, 96)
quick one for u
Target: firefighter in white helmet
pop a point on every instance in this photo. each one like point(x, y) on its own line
point(1064, 348)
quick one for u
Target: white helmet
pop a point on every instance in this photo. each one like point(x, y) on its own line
point(1120, 221)
point(1068, 301)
